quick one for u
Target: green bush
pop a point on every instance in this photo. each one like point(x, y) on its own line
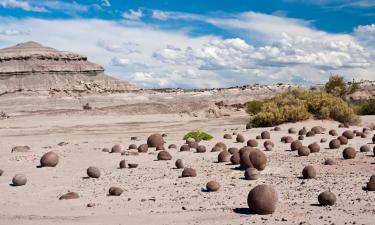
point(200, 135)
point(365, 107)
point(298, 105)
point(253, 107)
point(337, 86)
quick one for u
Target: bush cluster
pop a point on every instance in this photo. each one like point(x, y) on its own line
point(365, 107)
point(198, 135)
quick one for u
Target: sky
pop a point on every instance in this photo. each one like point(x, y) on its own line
point(204, 43)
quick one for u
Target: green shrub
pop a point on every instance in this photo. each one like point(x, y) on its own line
point(200, 135)
point(298, 105)
point(337, 86)
point(365, 107)
point(253, 107)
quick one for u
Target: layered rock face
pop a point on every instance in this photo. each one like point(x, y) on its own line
point(32, 67)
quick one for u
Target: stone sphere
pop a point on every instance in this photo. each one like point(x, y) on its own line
point(343, 140)
point(201, 149)
point(19, 180)
point(1, 172)
point(160, 148)
point(303, 131)
point(288, 139)
point(253, 158)
point(221, 146)
point(185, 148)
point(21, 149)
point(216, 149)
point(268, 142)
point(258, 137)
point(252, 143)
point(172, 146)
point(314, 147)
point(348, 134)
point(317, 129)
point(370, 186)
point(227, 136)
point(93, 172)
point(224, 156)
point(69, 195)
point(277, 129)
point(333, 133)
point(240, 138)
point(303, 151)
point(349, 153)
point(365, 148)
point(251, 174)
point(334, 144)
point(301, 137)
point(292, 130)
point(164, 155)
point(309, 172)
point(295, 145)
point(327, 198)
point(265, 135)
point(132, 146)
point(122, 164)
point(155, 140)
point(268, 147)
point(143, 148)
point(193, 144)
point(249, 126)
point(117, 148)
point(115, 191)
point(189, 172)
point(329, 162)
point(235, 158)
point(323, 140)
point(50, 159)
point(212, 186)
point(262, 199)
point(372, 178)
point(310, 133)
point(232, 150)
point(179, 164)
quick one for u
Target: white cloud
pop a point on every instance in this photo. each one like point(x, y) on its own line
point(25, 5)
point(133, 15)
point(366, 35)
point(160, 15)
point(116, 61)
point(106, 3)
point(12, 32)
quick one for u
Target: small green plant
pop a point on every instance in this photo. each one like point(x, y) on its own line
point(364, 107)
point(200, 135)
point(253, 107)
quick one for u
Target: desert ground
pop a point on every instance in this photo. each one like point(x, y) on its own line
point(154, 192)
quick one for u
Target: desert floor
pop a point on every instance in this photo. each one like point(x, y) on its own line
point(154, 193)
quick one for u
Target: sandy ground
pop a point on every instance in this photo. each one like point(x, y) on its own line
point(154, 193)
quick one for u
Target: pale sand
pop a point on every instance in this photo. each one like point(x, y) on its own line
point(154, 193)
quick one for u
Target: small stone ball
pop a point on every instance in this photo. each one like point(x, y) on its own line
point(212, 186)
point(164, 155)
point(232, 150)
point(349, 153)
point(160, 148)
point(317, 129)
point(227, 136)
point(333, 133)
point(179, 164)
point(262, 199)
point(277, 129)
point(258, 159)
point(370, 186)
point(117, 148)
point(363, 135)
point(251, 174)
point(268, 142)
point(143, 148)
point(201, 149)
point(69, 195)
point(155, 140)
point(172, 146)
point(193, 144)
point(122, 164)
point(252, 143)
point(303, 151)
point(115, 191)
point(224, 156)
point(327, 198)
point(268, 148)
point(240, 138)
point(301, 137)
point(295, 145)
point(292, 130)
point(365, 148)
point(235, 158)
point(189, 172)
point(132, 146)
point(19, 180)
point(329, 162)
point(310, 133)
point(288, 139)
point(348, 134)
point(323, 140)
point(334, 144)
point(314, 147)
point(258, 137)
point(93, 172)
point(303, 131)
point(50, 159)
point(309, 172)
point(216, 149)
point(221, 145)
point(343, 140)
point(185, 148)
point(265, 135)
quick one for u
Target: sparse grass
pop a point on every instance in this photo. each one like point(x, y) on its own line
point(200, 135)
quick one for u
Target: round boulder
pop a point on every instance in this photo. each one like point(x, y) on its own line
point(303, 151)
point(240, 138)
point(155, 140)
point(262, 199)
point(343, 140)
point(117, 148)
point(50, 159)
point(365, 148)
point(115, 191)
point(227, 136)
point(292, 130)
point(212, 186)
point(309, 172)
point(122, 164)
point(19, 180)
point(295, 145)
point(327, 198)
point(251, 174)
point(349, 153)
point(329, 162)
point(164, 155)
point(334, 144)
point(185, 148)
point(93, 172)
point(348, 134)
point(224, 156)
point(265, 135)
point(201, 149)
point(189, 172)
point(314, 147)
point(143, 148)
point(179, 164)
point(252, 143)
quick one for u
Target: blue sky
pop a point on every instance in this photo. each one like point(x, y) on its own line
point(196, 44)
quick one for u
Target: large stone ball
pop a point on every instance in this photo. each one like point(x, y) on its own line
point(179, 164)
point(115, 191)
point(301, 137)
point(258, 159)
point(348, 134)
point(303, 131)
point(327, 198)
point(288, 139)
point(309, 172)
point(314, 147)
point(251, 174)
point(133, 146)
point(201, 149)
point(317, 129)
point(262, 199)
point(235, 158)
point(310, 133)
point(143, 148)
point(224, 156)
point(164, 155)
point(333, 133)
point(329, 162)
point(303, 151)
point(19, 180)
point(117, 148)
point(212, 186)
point(370, 186)
point(268, 142)
point(160, 148)
point(295, 145)
point(155, 140)
point(189, 172)
point(334, 144)
point(122, 164)
point(349, 153)
point(265, 135)
point(185, 148)
point(50, 159)
point(221, 146)
point(172, 146)
point(233, 150)
point(240, 138)
point(343, 140)
point(365, 148)
point(93, 172)
point(252, 143)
